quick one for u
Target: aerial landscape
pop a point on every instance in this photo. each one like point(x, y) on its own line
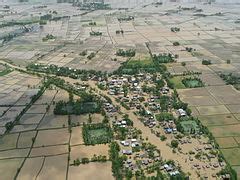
point(119, 89)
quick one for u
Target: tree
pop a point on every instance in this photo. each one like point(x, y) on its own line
point(206, 62)
point(9, 126)
point(85, 160)
point(183, 63)
point(176, 43)
point(174, 143)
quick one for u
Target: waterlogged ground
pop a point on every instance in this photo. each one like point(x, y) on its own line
point(215, 37)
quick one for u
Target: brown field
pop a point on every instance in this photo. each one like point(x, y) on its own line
point(24, 127)
point(194, 111)
point(91, 171)
point(82, 151)
point(237, 116)
point(225, 131)
point(225, 94)
point(2, 110)
point(76, 136)
point(35, 109)
point(61, 95)
point(15, 153)
point(211, 79)
point(227, 142)
point(232, 155)
point(96, 118)
point(25, 139)
point(54, 168)
point(8, 168)
point(52, 137)
point(193, 92)
point(50, 150)
point(212, 110)
point(31, 118)
point(30, 168)
point(200, 100)
point(234, 108)
point(8, 141)
point(47, 97)
point(216, 120)
point(53, 121)
point(237, 139)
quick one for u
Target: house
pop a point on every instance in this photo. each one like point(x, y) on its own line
point(167, 167)
point(174, 173)
point(181, 112)
point(127, 152)
point(125, 143)
point(123, 122)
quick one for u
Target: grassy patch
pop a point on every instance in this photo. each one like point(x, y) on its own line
point(140, 62)
point(192, 82)
point(97, 134)
point(177, 81)
point(189, 127)
point(232, 155)
point(5, 71)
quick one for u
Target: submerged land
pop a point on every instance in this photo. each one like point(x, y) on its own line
point(144, 91)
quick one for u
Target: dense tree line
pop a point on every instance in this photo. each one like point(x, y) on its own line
point(163, 58)
point(66, 71)
point(87, 104)
point(126, 53)
point(117, 161)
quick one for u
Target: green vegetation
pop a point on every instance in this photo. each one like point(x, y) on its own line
point(121, 132)
point(95, 33)
point(117, 161)
point(20, 23)
point(140, 62)
point(6, 71)
point(126, 53)
point(176, 43)
point(87, 104)
point(192, 82)
point(91, 55)
point(175, 29)
point(65, 71)
point(163, 58)
point(206, 62)
point(188, 127)
point(48, 37)
point(97, 133)
point(95, 158)
point(119, 31)
point(165, 116)
point(49, 17)
point(189, 49)
point(176, 81)
point(148, 65)
point(46, 17)
point(183, 63)
point(83, 53)
point(231, 79)
point(174, 143)
point(93, 23)
point(228, 170)
point(91, 6)
point(165, 103)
